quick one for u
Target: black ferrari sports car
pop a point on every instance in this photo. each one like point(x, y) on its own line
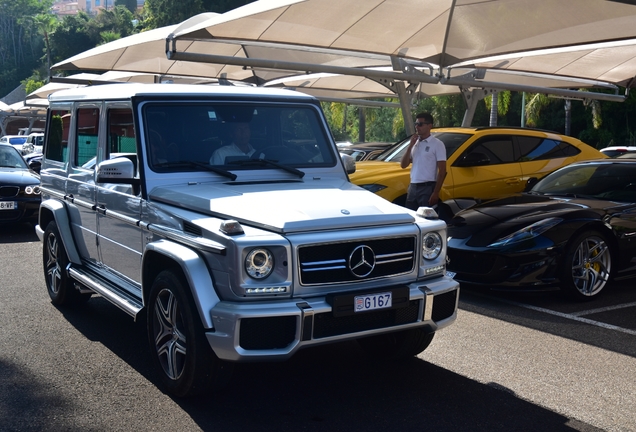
point(574, 229)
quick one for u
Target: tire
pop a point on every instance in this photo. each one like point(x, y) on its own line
point(55, 260)
point(180, 351)
point(398, 345)
point(587, 266)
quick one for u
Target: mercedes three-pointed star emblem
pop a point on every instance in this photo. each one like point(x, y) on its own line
point(362, 261)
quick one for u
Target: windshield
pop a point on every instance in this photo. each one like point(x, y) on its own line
point(17, 140)
point(452, 141)
point(610, 181)
point(10, 158)
point(194, 136)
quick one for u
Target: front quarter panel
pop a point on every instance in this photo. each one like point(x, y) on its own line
point(55, 210)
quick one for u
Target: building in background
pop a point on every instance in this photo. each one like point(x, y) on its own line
point(71, 7)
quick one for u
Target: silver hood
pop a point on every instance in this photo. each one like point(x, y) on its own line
point(286, 206)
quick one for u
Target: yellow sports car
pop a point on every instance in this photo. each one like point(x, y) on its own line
point(482, 163)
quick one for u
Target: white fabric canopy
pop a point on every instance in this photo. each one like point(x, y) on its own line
point(607, 61)
point(379, 48)
point(367, 33)
point(328, 34)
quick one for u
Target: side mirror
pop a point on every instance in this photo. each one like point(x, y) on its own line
point(473, 159)
point(349, 163)
point(530, 183)
point(36, 165)
point(449, 208)
point(120, 170)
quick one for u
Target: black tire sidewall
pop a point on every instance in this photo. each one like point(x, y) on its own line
point(63, 295)
point(200, 360)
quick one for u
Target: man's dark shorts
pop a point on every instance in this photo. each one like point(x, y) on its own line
point(418, 195)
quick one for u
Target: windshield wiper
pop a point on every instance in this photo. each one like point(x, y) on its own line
point(268, 162)
point(206, 167)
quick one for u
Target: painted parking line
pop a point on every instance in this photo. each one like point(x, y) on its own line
point(580, 319)
point(604, 309)
point(576, 317)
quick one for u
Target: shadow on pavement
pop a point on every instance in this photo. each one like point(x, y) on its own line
point(557, 315)
point(17, 233)
point(332, 388)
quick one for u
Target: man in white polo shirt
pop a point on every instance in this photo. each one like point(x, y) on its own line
point(428, 155)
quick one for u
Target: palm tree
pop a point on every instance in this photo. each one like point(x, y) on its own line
point(539, 101)
point(536, 102)
point(498, 105)
point(46, 25)
point(109, 36)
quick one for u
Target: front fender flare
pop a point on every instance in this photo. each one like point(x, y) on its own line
point(59, 213)
point(196, 273)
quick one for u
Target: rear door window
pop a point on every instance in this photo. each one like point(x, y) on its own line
point(497, 149)
point(535, 148)
point(87, 130)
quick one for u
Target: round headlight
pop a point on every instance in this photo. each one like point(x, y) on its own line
point(259, 263)
point(32, 190)
point(431, 245)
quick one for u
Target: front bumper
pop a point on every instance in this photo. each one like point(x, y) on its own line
point(534, 269)
point(276, 330)
point(26, 210)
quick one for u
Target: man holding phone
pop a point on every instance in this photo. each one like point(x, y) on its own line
point(428, 156)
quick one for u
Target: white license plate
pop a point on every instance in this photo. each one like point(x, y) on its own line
point(450, 274)
point(372, 301)
point(7, 205)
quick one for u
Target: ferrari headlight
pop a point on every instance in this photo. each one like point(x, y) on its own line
point(259, 263)
point(531, 231)
point(431, 245)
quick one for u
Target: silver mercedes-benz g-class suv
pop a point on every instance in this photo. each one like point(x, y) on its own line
point(226, 214)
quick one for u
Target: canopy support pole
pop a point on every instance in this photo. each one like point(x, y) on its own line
point(406, 98)
point(472, 97)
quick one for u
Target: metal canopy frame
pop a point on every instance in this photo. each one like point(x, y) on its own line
point(404, 78)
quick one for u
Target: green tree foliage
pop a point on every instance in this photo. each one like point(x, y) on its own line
point(160, 13)
point(20, 44)
point(167, 12)
point(32, 84)
point(71, 37)
point(131, 5)
point(221, 6)
point(109, 36)
point(116, 20)
point(46, 25)
point(81, 32)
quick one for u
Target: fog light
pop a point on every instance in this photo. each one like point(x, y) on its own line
point(266, 290)
point(433, 270)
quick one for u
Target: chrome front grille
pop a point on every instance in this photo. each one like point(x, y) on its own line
point(356, 260)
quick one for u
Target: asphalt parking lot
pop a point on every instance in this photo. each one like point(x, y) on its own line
point(523, 362)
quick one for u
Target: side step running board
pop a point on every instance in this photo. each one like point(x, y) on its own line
point(120, 298)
